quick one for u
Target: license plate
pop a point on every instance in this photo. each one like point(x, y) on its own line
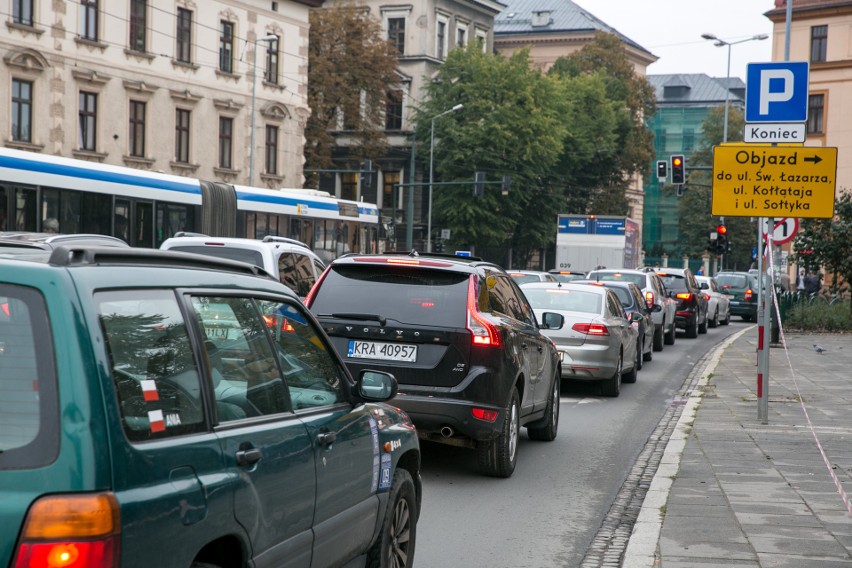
point(384, 351)
point(216, 333)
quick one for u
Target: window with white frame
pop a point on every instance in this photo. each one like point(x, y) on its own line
point(482, 38)
point(461, 34)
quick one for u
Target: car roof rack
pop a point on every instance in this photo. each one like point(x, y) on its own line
point(115, 256)
point(277, 239)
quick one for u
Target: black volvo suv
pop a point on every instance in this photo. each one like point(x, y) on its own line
point(461, 339)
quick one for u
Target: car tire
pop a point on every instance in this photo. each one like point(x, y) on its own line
point(715, 321)
point(498, 457)
point(649, 355)
point(748, 318)
point(692, 330)
point(727, 319)
point(395, 545)
point(640, 346)
point(612, 386)
point(658, 336)
point(669, 338)
point(702, 327)
point(550, 424)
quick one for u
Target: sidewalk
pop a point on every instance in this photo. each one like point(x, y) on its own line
point(732, 492)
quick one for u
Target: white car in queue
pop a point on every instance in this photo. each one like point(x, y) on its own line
point(718, 304)
point(597, 341)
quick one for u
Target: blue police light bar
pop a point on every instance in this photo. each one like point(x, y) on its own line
point(462, 253)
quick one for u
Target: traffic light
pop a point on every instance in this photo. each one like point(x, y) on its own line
point(722, 244)
point(662, 171)
point(479, 184)
point(678, 167)
point(439, 245)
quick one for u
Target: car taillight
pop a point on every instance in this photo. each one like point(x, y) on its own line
point(590, 328)
point(707, 297)
point(748, 295)
point(70, 531)
point(684, 296)
point(485, 414)
point(310, 297)
point(483, 331)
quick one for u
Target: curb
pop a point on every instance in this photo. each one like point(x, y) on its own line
point(641, 549)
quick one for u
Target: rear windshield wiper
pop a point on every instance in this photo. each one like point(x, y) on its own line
point(356, 316)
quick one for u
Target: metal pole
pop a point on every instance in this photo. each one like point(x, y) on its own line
point(431, 157)
point(409, 214)
point(727, 97)
point(253, 99)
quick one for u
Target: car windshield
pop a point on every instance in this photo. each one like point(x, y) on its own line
point(563, 300)
point(398, 293)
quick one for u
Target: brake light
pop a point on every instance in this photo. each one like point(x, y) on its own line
point(484, 332)
point(485, 414)
point(310, 297)
point(707, 297)
point(71, 531)
point(590, 328)
point(403, 261)
point(684, 296)
point(748, 295)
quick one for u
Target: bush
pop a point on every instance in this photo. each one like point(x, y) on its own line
point(818, 316)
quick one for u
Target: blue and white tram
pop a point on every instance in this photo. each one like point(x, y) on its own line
point(145, 208)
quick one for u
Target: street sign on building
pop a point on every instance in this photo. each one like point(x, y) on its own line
point(752, 180)
point(776, 92)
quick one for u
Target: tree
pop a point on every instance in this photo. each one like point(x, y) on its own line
point(510, 125)
point(632, 95)
point(351, 68)
point(825, 242)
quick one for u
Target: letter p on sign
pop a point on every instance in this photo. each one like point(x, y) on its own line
point(777, 92)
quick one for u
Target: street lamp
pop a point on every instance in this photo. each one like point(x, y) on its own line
point(431, 158)
point(719, 43)
point(253, 98)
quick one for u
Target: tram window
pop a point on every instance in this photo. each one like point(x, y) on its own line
point(172, 218)
point(122, 214)
point(3, 203)
point(96, 214)
point(26, 209)
point(143, 229)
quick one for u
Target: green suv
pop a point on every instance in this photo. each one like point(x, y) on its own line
point(174, 410)
point(741, 290)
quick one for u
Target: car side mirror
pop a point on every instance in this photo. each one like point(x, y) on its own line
point(377, 386)
point(704, 286)
point(551, 320)
point(655, 308)
point(633, 317)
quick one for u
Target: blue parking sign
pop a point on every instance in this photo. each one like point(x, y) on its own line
point(777, 92)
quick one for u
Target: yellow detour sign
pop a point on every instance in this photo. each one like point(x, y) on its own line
point(752, 180)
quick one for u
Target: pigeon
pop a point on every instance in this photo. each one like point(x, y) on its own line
point(819, 349)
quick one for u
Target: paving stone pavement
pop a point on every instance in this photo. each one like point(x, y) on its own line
point(733, 492)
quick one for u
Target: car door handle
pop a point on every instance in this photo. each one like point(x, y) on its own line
point(326, 438)
point(248, 457)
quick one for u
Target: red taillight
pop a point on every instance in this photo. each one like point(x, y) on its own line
point(590, 328)
point(71, 531)
point(310, 297)
point(485, 414)
point(484, 332)
point(748, 295)
point(684, 296)
point(707, 297)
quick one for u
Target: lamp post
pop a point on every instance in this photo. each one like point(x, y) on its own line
point(720, 43)
point(253, 99)
point(431, 159)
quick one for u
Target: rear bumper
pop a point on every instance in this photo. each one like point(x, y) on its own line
point(743, 308)
point(432, 415)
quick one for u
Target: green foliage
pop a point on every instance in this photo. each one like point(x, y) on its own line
point(818, 316)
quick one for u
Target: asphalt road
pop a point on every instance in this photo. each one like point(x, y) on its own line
point(548, 512)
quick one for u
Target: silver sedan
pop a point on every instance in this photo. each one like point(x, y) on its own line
point(718, 304)
point(597, 341)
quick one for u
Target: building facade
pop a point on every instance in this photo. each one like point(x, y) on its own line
point(821, 34)
point(214, 90)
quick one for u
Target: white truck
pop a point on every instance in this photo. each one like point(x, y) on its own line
point(587, 242)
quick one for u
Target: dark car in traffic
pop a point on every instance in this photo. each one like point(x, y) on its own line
point(741, 288)
point(461, 339)
point(691, 310)
point(177, 410)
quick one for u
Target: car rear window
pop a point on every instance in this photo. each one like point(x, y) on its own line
point(399, 293)
point(29, 428)
point(563, 300)
point(521, 278)
point(732, 280)
point(675, 282)
point(232, 253)
point(638, 279)
point(624, 296)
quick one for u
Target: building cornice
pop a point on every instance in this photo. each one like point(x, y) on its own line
point(811, 12)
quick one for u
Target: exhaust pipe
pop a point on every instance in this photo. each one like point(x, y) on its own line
point(447, 432)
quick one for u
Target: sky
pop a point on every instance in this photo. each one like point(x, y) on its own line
point(671, 30)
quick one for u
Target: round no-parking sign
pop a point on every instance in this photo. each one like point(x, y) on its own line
point(784, 230)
